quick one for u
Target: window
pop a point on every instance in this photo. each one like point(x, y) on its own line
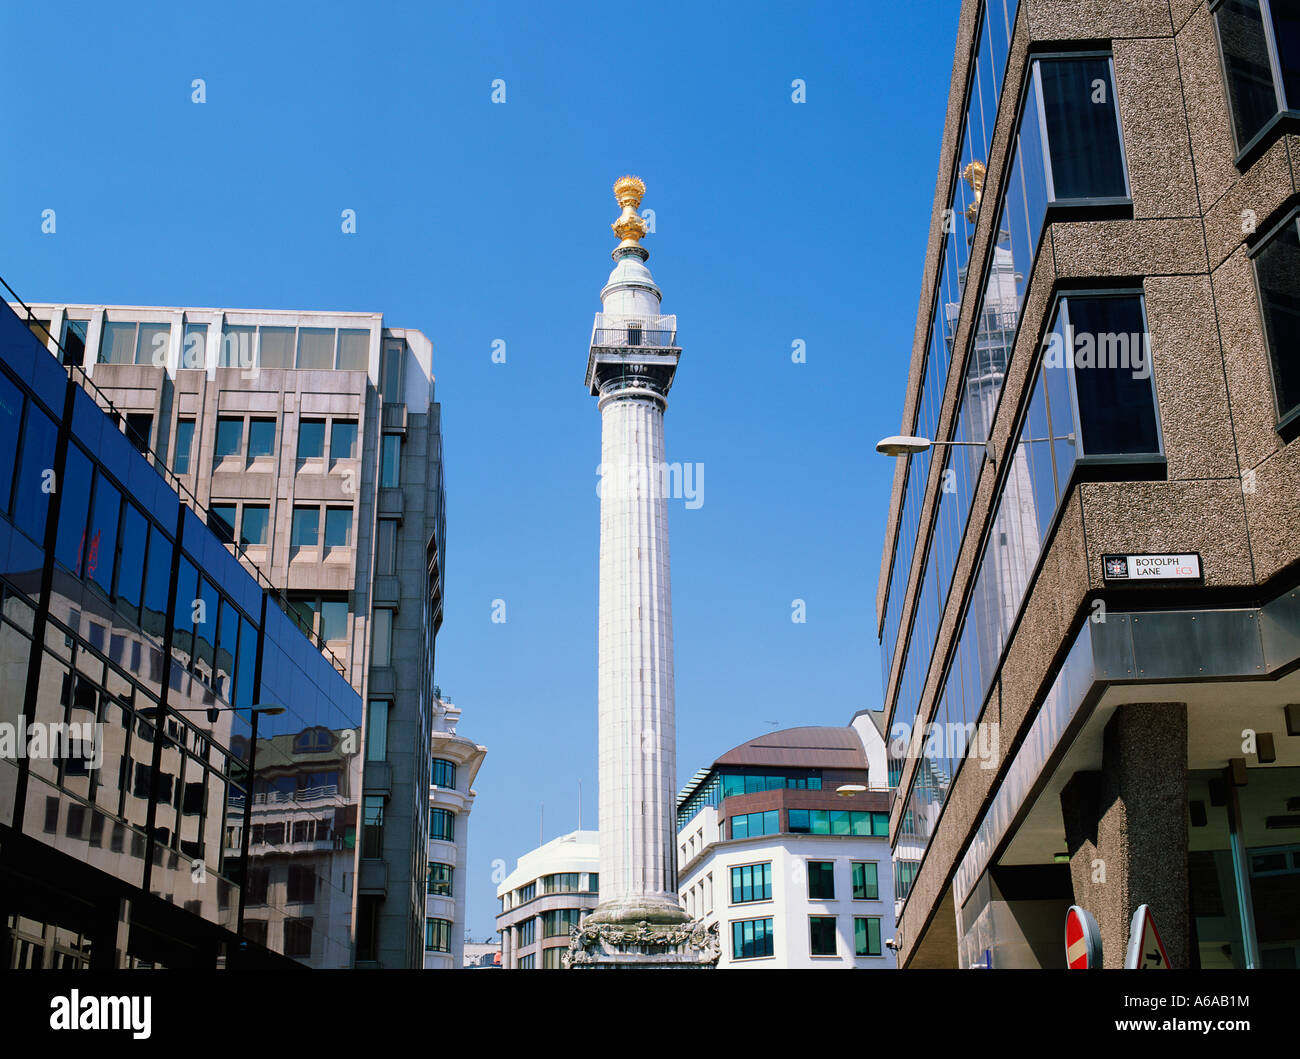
point(354, 350)
point(748, 825)
point(372, 837)
point(751, 882)
point(553, 958)
point(253, 525)
point(343, 439)
point(1085, 158)
point(194, 348)
point(275, 347)
point(837, 822)
point(381, 637)
point(236, 346)
point(442, 825)
point(306, 527)
point(866, 886)
point(230, 437)
point(315, 348)
point(751, 938)
point(444, 774)
point(526, 932)
point(527, 963)
point(562, 883)
point(221, 520)
point(261, 437)
point(556, 923)
point(1102, 341)
point(334, 619)
point(526, 893)
point(132, 343)
point(821, 932)
point(386, 546)
point(391, 378)
point(437, 935)
point(866, 936)
point(302, 881)
point(311, 439)
point(1277, 271)
point(438, 881)
point(139, 431)
point(377, 730)
point(184, 444)
point(391, 462)
point(338, 527)
point(821, 880)
point(74, 342)
point(1260, 44)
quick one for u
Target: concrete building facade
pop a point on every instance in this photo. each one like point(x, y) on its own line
point(784, 844)
point(551, 890)
point(454, 762)
point(312, 443)
point(1088, 604)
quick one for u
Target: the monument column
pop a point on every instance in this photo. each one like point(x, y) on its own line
point(633, 358)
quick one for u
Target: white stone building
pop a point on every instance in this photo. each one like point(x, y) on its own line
point(551, 888)
point(454, 762)
point(783, 842)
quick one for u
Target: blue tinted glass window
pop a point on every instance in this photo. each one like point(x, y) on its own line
point(31, 499)
point(11, 414)
point(261, 437)
point(74, 511)
point(230, 437)
point(253, 528)
point(186, 597)
point(306, 527)
point(130, 567)
point(184, 444)
point(311, 438)
point(334, 620)
point(221, 520)
point(101, 550)
point(343, 439)
point(205, 628)
point(246, 662)
point(157, 582)
point(227, 647)
point(338, 527)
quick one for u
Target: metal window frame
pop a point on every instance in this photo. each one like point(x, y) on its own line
point(1287, 419)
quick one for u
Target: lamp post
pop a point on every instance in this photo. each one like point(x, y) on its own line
point(907, 445)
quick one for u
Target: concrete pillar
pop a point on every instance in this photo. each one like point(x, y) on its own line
point(1126, 829)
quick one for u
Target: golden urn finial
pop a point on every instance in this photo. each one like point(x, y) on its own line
point(629, 191)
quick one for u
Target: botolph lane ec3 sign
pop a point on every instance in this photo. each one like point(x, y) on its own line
point(1151, 567)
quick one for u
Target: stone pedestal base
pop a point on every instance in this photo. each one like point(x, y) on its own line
point(644, 945)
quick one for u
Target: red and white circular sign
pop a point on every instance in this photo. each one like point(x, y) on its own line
point(1082, 940)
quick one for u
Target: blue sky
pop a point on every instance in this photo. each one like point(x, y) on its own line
point(476, 221)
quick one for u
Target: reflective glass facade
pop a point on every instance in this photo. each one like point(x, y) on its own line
point(124, 613)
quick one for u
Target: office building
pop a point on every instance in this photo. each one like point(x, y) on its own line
point(454, 762)
point(312, 443)
point(147, 678)
point(783, 843)
point(1088, 606)
point(551, 890)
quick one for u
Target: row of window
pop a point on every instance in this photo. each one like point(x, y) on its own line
point(443, 773)
point(755, 938)
point(753, 882)
point(555, 883)
point(811, 822)
point(438, 879)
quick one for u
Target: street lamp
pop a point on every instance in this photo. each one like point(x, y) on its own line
point(906, 445)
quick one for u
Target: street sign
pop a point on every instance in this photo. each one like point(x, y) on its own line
point(1082, 940)
point(1146, 952)
point(1167, 567)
